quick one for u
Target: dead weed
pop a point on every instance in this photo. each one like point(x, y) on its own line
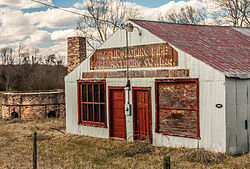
point(202, 156)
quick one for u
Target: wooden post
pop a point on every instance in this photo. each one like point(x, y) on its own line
point(34, 151)
point(166, 162)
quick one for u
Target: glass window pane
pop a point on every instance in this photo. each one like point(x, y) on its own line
point(96, 93)
point(102, 94)
point(90, 112)
point(84, 111)
point(84, 93)
point(97, 113)
point(102, 113)
point(90, 93)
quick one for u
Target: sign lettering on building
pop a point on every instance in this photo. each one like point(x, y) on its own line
point(158, 55)
point(138, 74)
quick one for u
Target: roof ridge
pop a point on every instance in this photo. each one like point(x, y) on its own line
point(157, 21)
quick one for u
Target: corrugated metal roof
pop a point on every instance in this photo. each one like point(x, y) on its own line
point(224, 48)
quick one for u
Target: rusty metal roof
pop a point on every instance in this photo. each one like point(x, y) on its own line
point(226, 49)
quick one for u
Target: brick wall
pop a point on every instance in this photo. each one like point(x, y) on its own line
point(33, 105)
point(76, 52)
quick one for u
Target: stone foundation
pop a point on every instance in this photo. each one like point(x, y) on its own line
point(33, 105)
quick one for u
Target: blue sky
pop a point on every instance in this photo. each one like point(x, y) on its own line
point(147, 3)
point(70, 3)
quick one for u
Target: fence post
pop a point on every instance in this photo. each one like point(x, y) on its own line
point(166, 162)
point(34, 151)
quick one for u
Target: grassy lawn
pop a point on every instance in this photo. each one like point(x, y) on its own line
point(59, 150)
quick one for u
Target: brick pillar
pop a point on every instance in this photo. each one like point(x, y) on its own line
point(76, 52)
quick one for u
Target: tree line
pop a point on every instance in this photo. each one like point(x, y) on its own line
point(24, 70)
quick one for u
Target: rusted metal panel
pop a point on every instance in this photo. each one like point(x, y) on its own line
point(158, 55)
point(178, 108)
point(138, 74)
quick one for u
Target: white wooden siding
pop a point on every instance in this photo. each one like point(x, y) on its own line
point(211, 87)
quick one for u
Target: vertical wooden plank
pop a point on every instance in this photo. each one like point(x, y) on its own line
point(231, 132)
point(241, 92)
point(205, 115)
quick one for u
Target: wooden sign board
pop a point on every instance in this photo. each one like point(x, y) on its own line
point(138, 74)
point(158, 55)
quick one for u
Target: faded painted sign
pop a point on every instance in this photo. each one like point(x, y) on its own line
point(158, 55)
point(138, 74)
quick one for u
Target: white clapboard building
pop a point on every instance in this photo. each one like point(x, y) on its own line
point(167, 84)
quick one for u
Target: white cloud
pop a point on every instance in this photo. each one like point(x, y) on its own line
point(3, 46)
point(54, 18)
point(14, 25)
point(23, 4)
point(153, 13)
point(37, 37)
point(63, 34)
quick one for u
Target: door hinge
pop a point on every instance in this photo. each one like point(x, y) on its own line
point(246, 125)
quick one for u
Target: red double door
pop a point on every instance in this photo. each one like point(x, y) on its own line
point(141, 113)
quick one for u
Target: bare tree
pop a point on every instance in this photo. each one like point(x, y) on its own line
point(104, 18)
point(20, 51)
point(51, 59)
point(6, 55)
point(187, 15)
point(236, 12)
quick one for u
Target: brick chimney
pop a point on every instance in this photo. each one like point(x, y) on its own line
point(76, 52)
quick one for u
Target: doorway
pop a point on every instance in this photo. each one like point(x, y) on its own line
point(117, 119)
point(142, 114)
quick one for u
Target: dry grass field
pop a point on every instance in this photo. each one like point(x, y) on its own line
point(59, 150)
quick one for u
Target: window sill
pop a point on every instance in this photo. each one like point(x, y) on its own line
point(93, 124)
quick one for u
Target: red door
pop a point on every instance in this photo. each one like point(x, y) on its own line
point(142, 114)
point(117, 120)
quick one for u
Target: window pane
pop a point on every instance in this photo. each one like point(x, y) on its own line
point(102, 113)
point(84, 93)
point(84, 111)
point(97, 113)
point(90, 112)
point(96, 93)
point(90, 93)
point(102, 95)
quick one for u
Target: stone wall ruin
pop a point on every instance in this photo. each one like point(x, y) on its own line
point(33, 105)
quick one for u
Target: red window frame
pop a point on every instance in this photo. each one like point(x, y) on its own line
point(158, 81)
point(81, 121)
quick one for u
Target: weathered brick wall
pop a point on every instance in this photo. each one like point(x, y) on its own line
point(33, 105)
point(76, 52)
